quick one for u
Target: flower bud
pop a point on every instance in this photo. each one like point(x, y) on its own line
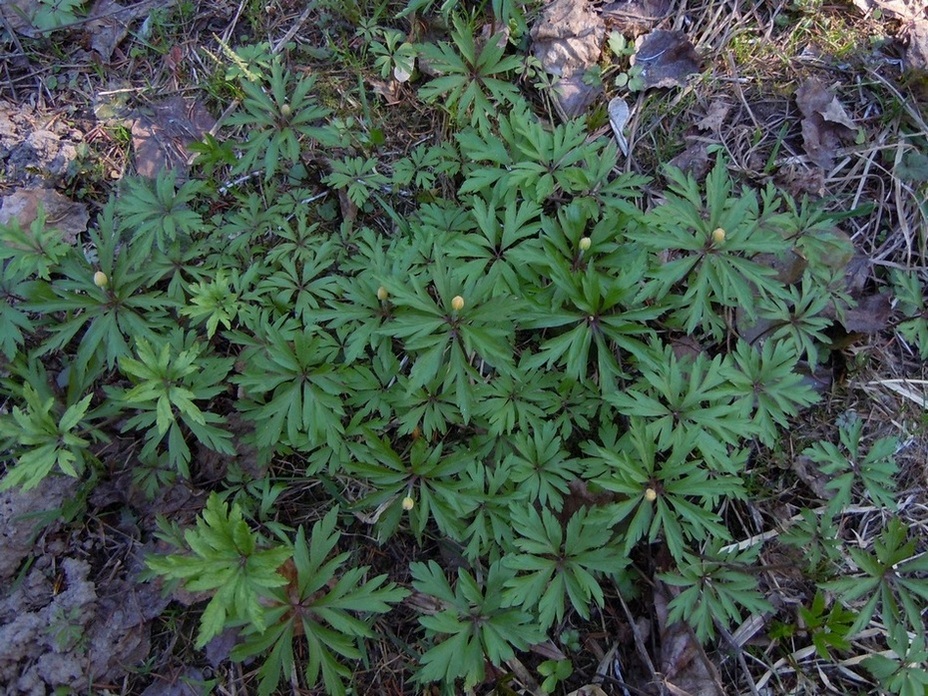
point(286, 110)
point(382, 293)
point(585, 243)
point(408, 503)
point(718, 235)
point(650, 495)
point(457, 303)
point(100, 279)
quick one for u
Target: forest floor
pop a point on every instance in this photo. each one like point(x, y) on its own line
point(821, 99)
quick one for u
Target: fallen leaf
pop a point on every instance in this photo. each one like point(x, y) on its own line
point(23, 16)
point(108, 23)
point(567, 40)
point(693, 160)
point(666, 59)
point(825, 123)
point(588, 690)
point(618, 117)
point(809, 473)
point(871, 314)
point(635, 17)
point(160, 135)
point(914, 28)
point(61, 213)
point(683, 662)
point(715, 116)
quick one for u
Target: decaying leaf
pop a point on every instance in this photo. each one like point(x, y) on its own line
point(693, 160)
point(61, 213)
point(684, 663)
point(666, 59)
point(635, 17)
point(618, 117)
point(108, 23)
point(871, 314)
point(715, 116)
point(161, 135)
point(825, 123)
point(588, 690)
point(914, 23)
point(567, 41)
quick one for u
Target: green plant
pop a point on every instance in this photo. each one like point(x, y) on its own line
point(473, 623)
point(395, 57)
point(902, 672)
point(471, 77)
point(318, 603)
point(554, 563)
point(167, 383)
point(662, 491)
point(44, 437)
point(228, 559)
point(554, 671)
point(913, 326)
point(718, 586)
point(874, 471)
point(828, 631)
point(279, 120)
point(893, 577)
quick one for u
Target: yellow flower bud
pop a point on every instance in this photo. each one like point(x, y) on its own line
point(408, 503)
point(718, 235)
point(100, 279)
point(650, 495)
point(382, 293)
point(457, 303)
point(585, 243)
point(286, 110)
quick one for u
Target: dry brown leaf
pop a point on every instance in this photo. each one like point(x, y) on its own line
point(635, 17)
point(108, 23)
point(160, 137)
point(666, 59)
point(825, 123)
point(871, 314)
point(588, 690)
point(19, 15)
point(567, 40)
point(715, 116)
point(914, 25)
point(684, 663)
point(61, 213)
point(693, 160)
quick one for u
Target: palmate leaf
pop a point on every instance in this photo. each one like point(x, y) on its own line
point(893, 580)
point(711, 270)
point(682, 398)
point(42, 440)
point(472, 78)
point(771, 390)
point(472, 624)
point(718, 587)
point(321, 604)
point(556, 563)
point(667, 493)
point(848, 466)
point(225, 559)
point(292, 390)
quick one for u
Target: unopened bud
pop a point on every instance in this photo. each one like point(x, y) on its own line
point(408, 503)
point(718, 235)
point(100, 279)
point(457, 303)
point(585, 243)
point(285, 111)
point(650, 495)
point(382, 293)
